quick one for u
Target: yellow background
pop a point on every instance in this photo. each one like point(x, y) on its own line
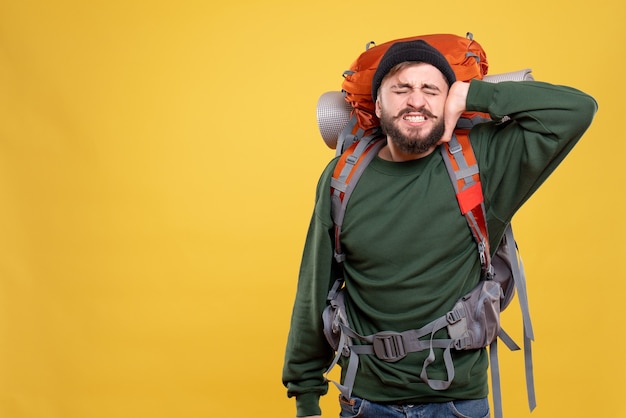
point(157, 169)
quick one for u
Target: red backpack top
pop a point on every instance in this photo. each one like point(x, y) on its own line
point(466, 57)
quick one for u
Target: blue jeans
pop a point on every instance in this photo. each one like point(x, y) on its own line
point(357, 407)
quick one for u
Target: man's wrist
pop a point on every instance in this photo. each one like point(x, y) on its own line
point(308, 404)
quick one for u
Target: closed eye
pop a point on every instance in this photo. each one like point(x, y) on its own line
point(401, 88)
point(430, 89)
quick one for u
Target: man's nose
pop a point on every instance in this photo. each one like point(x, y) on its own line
point(416, 100)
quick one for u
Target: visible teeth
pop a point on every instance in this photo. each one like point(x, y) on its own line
point(415, 118)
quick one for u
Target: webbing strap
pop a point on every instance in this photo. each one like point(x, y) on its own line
point(436, 384)
point(460, 163)
point(519, 278)
point(350, 159)
point(494, 366)
point(332, 293)
point(347, 172)
point(530, 376)
point(508, 341)
point(393, 346)
point(348, 135)
point(462, 167)
point(447, 357)
point(350, 145)
point(346, 388)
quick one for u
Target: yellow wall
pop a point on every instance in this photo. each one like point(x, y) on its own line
point(157, 167)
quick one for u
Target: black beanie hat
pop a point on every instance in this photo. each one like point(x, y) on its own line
point(418, 51)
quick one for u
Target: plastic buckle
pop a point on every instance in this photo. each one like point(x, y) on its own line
point(482, 251)
point(454, 148)
point(453, 317)
point(339, 257)
point(389, 346)
point(490, 273)
point(461, 343)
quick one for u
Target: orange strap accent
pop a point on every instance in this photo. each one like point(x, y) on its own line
point(470, 198)
point(343, 161)
point(462, 135)
point(470, 193)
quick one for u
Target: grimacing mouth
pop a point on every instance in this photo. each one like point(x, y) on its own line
point(414, 118)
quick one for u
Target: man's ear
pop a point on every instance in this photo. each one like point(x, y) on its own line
point(378, 107)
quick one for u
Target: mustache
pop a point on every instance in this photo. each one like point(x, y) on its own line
point(422, 110)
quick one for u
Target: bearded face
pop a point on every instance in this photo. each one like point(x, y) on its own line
point(411, 139)
point(410, 106)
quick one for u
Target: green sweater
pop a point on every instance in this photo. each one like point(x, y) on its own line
point(410, 254)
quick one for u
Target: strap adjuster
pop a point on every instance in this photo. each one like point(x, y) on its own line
point(339, 257)
point(389, 346)
point(352, 159)
point(461, 343)
point(454, 147)
point(454, 316)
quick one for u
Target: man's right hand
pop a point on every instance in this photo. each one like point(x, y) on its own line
point(454, 108)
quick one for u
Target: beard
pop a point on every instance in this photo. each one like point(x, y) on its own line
point(413, 142)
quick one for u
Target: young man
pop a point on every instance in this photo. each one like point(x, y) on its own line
point(409, 252)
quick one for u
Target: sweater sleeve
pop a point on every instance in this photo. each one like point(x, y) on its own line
point(535, 126)
point(307, 353)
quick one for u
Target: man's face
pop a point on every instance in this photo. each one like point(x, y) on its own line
point(410, 107)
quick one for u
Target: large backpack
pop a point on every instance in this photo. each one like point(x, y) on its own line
point(473, 322)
